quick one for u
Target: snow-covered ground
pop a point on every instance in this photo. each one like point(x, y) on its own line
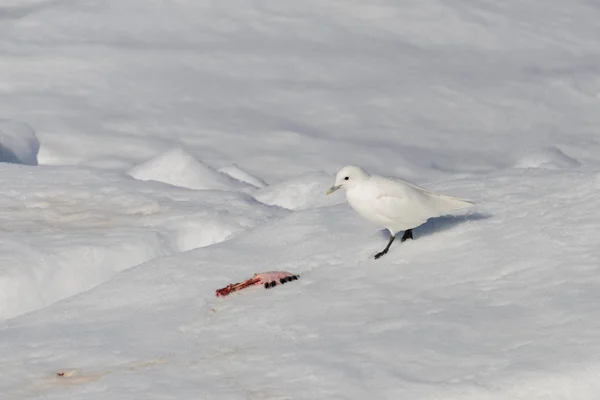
point(152, 152)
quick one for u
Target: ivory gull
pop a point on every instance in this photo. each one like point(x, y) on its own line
point(393, 203)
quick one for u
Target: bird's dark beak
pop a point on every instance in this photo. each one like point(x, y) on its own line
point(333, 189)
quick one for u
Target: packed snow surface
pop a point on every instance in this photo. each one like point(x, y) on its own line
point(152, 152)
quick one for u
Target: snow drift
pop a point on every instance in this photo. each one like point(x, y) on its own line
point(549, 157)
point(244, 176)
point(299, 192)
point(177, 167)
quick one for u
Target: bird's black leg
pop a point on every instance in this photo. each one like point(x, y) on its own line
point(407, 235)
point(386, 248)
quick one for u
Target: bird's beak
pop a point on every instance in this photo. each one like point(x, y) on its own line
point(333, 189)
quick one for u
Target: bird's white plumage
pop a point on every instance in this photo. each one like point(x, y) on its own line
point(393, 203)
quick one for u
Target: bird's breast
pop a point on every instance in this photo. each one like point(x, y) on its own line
point(363, 204)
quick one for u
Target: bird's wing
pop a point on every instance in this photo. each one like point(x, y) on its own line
point(454, 202)
point(403, 205)
point(408, 205)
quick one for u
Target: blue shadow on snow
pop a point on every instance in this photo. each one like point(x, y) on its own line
point(439, 224)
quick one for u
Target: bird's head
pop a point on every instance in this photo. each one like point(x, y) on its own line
point(348, 177)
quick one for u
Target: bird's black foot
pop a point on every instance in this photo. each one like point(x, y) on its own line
point(407, 235)
point(381, 253)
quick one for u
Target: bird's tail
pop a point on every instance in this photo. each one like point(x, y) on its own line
point(446, 204)
point(441, 203)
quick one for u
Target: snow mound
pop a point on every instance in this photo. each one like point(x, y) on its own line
point(41, 271)
point(237, 173)
point(299, 193)
point(18, 143)
point(178, 168)
point(546, 157)
point(64, 230)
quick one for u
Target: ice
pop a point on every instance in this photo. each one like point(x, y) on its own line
point(234, 117)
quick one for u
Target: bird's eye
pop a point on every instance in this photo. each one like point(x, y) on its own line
point(346, 178)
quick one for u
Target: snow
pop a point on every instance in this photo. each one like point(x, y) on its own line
point(178, 168)
point(546, 157)
point(18, 143)
point(298, 192)
point(454, 316)
point(244, 176)
point(167, 149)
point(66, 230)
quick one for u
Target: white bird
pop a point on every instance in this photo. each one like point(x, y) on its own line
point(393, 203)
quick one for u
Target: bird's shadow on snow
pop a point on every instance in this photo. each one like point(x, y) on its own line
point(440, 224)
